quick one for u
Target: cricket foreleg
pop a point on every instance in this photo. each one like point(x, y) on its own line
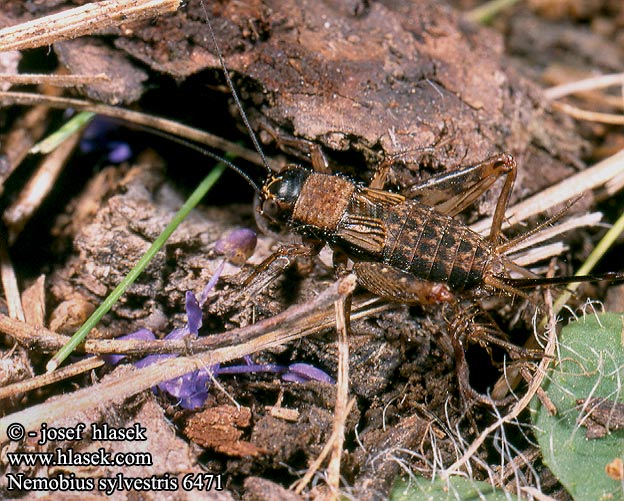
point(381, 174)
point(397, 285)
point(281, 259)
point(296, 146)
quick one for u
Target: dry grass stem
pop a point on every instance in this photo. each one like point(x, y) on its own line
point(44, 340)
point(80, 21)
point(315, 466)
point(54, 80)
point(39, 186)
point(511, 468)
point(34, 302)
point(599, 82)
point(9, 283)
point(27, 130)
point(540, 393)
point(538, 254)
point(550, 232)
point(28, 335)
point(610, 188)
point(134, 117)
point(342, 307)
point(537, 494)
point(587, 115)
point(46, 379)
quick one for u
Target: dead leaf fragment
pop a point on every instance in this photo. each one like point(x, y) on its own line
point(220, 428)
point(615, 469)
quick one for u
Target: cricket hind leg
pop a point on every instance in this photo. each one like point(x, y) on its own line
point(471, 325)
point(397, 285)
point(452, 192)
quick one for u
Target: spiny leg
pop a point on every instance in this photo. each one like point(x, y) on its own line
point(381, 174)
point(452, 192)
point(287, 252)
point(315, 152)
point(506, 165)
point(397, 285)
point(466, 328)
point(319, 162)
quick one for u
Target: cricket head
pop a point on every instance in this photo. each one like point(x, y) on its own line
point(281, 192)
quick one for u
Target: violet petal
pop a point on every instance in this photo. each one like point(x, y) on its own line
point(309, 372)
point(193, 313)
point(252, 368)
point(190, 389)
point(140, 335)
point(176, 334)
point(291, 377)
point(211, 283)
point(119, 152)
point(194, 401)
point(150, 359)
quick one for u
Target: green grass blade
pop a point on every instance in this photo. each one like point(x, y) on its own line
point(51, 142)
point(486, 12)
point(600, 250)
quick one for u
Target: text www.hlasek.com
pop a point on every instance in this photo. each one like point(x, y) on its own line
point(69, 457)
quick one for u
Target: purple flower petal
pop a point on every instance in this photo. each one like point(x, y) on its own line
point(150, 359)
point(193, 313)
point(213, 281)
point(118, 152)
point(251, 368)
point(307, 372)
point(190, 389)
point(141, 335)
point(194, 401)
point(176, 334)
point(291, 377)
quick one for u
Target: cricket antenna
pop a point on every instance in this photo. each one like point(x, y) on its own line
point(233, 90)
point(203, 151)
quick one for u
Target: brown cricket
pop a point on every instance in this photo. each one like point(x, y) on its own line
point(407, 250)
point(403, 250)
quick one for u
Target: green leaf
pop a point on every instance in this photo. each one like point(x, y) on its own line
point(589, 364)
point(419, 489)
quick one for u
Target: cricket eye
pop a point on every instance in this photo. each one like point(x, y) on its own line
point(270, 208)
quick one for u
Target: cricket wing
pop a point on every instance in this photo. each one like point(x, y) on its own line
point(362, 227)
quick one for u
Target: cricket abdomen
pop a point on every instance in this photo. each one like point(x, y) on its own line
point(377, 226)
point(415, 238)
point(435, 247)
